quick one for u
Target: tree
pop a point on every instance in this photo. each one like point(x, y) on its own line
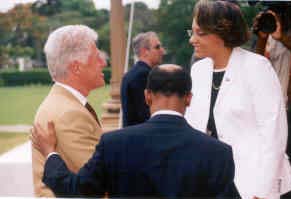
point(174, 17)
point(22, 29)
point(47, 7)
point(28, 25)
point(144, 20)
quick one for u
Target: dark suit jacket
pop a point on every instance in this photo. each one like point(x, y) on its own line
point(134, 108)
point(163, 157)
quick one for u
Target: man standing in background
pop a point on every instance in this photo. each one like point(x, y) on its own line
point(147, 47)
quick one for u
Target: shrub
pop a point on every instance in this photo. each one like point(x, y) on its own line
point(17, 78)
point(36, 76)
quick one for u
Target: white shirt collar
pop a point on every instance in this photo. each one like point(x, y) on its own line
point(219, 70)
point(74, 92)
point(166, 112)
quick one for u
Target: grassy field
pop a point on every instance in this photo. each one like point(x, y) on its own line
point(19, 104)
point(10, 140)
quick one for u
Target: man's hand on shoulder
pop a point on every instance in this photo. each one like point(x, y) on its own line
point(44, 141)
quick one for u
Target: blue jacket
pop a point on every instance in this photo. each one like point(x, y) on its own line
point(163, 157)
point(134, 108)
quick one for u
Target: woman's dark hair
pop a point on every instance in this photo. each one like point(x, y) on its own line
point(224, 19)
point(169, 80)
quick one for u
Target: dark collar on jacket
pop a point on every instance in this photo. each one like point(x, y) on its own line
point(165, 118)
point(143, 64)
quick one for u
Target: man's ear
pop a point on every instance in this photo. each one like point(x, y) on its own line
point(143, 51)
point(74, 67)
point(188, 99)
point(148, 97)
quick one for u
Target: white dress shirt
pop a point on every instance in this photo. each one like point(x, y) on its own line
point(167, 112)
point(74, 92)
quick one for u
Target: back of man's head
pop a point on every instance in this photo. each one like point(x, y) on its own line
point(67, 44)
point(168, 80)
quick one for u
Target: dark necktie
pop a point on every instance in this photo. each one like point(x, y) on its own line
point(92, 111)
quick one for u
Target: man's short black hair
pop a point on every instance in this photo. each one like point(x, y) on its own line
point(169, 79)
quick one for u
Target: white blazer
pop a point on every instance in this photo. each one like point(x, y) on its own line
point(250, 116)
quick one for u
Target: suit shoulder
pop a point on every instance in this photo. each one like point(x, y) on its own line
point(210, 144)
point(255, 65)
point(203, 61)
point(59, 106)
point(252, 61)
point(59, 103)
point(201, 65)
point(123, 133)
point(135, 74)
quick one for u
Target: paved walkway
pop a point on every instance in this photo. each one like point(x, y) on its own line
point(16, 172)
point(19, 128)
point(16, 167)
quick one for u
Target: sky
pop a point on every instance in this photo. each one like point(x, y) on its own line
point(5, 5)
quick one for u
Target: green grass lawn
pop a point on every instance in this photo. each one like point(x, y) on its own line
point(19, 104)
point(10, 140)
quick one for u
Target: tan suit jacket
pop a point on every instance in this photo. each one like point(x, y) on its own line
point(77, 134)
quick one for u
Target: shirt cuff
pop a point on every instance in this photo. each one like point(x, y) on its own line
point(51, 153)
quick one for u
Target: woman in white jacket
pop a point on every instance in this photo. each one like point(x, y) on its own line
point(237, 99)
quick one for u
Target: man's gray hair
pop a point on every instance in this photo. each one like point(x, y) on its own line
point(142, 40)
point(66, 44)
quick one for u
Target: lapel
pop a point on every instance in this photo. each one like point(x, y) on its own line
point(208, 85)
point(58, 90)
point(198, 112)
point(229, 77)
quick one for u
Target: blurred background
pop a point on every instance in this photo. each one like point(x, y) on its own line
point(26, 24)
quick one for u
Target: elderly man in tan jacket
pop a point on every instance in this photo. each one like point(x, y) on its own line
point(75, 65)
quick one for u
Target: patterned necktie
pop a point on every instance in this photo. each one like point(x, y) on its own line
point(92, 111)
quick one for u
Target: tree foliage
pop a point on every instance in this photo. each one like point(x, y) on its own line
point(144, 20)
point(27, 26)
point(24, 29)
point(174, 18)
